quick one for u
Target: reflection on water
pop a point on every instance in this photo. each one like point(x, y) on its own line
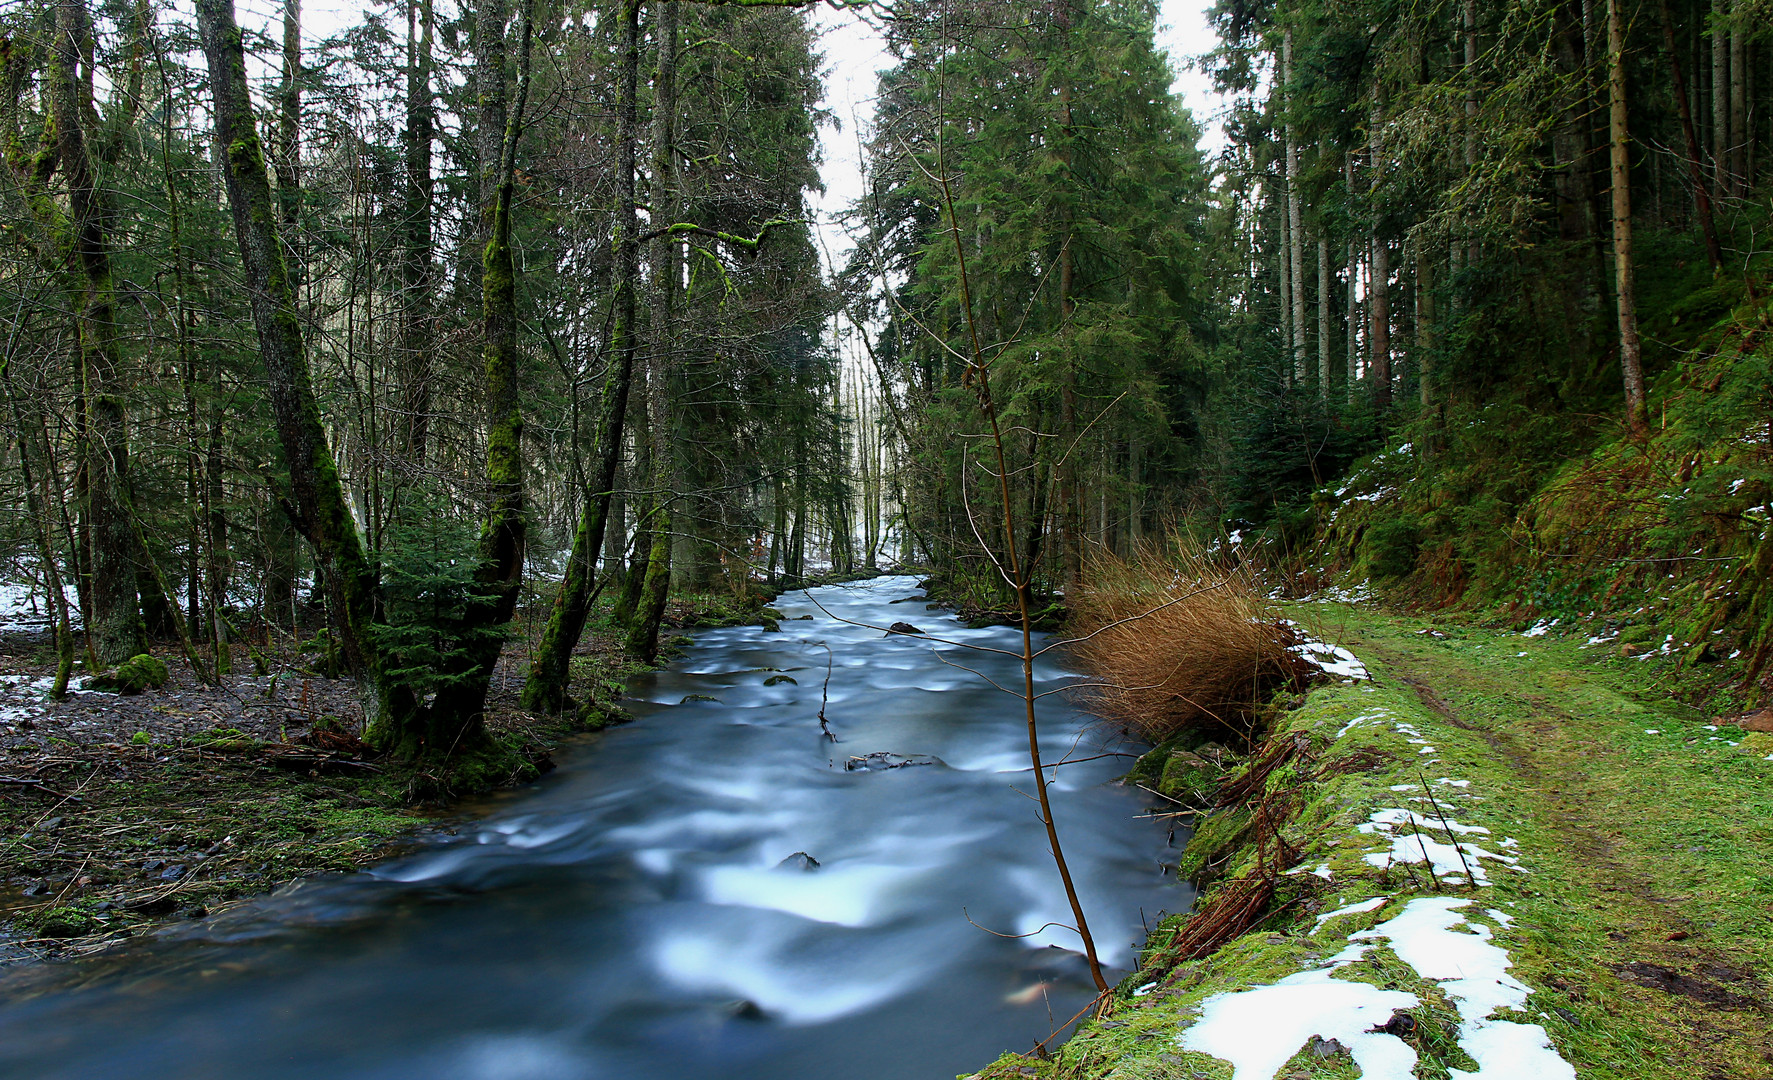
point(648, 910)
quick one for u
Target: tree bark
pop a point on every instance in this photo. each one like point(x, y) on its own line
point(1630, 360)
point(459, 708)
point(416, 330)
point(1695, 161)
point(1325, 289)
point(1739, 135)
point(1720, 98)
point(545, 688)
point(1379, 298)
point(316, 496)
point(1295, 217)
point(643, 636)
point(1351, 384)
point(117, 629)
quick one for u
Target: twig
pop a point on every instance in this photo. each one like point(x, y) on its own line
point(1469, 876)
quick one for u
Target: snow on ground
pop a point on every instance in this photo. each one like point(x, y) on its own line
point(1259, 1030)
point(21, 608)
point(1411, 843)
point(1331, 659)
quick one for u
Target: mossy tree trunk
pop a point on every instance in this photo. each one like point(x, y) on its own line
point(316, 496)
point(457, 715)
point(549, 673)
point(117, 629)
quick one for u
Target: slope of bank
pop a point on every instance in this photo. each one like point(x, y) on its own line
point(1504, 855)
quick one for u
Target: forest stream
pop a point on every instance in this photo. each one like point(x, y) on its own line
point(650, 909)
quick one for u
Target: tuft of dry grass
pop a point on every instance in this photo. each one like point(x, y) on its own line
point(1173, 640)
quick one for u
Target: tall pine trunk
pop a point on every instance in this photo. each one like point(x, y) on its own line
point(416, 330)
point(1630, 359)
point(1295, 217)
point(545, 688)
point(643, 636)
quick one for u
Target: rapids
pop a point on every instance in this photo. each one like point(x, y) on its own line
point(639, 913)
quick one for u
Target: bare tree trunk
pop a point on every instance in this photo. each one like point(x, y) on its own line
point(416, 330)
point(287, 160)
point(643, 636)
point(1295, 219)
point(545, 688)
point(1720, 98)
point(1695, 161)
point(317, 501)
point(1325, 287)
point(1468, 16)
point(1351, 386)
point(1630, 360)
point(491, 97)
point(1739, 134)
point(1379, 301)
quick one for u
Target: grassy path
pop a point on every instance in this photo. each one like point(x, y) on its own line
point(1600, 903)
point(1655, 834)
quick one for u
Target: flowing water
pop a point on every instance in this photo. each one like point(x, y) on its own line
point(642, 912)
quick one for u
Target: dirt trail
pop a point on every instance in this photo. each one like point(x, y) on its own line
point(1659, 823)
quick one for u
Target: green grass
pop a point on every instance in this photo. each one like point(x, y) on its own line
point(1639, 850)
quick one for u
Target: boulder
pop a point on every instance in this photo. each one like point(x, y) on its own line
point(903, 628)
point(134, 675)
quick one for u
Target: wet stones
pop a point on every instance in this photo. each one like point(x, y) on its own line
point(800, 860)
point(880, 760)
point(902, 628)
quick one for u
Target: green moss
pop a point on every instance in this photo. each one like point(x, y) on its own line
point(1554, 747)
point(1214, 842)
point(59, 921)
point(138, 673)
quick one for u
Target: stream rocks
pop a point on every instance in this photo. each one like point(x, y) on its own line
point(800, 860)
point(880, 760)
point(903, 628)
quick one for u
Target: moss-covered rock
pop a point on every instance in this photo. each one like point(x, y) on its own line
point(1213, 843)
point(138, 673)
point(59, 921)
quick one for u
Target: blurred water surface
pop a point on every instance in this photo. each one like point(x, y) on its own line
point(629, 916)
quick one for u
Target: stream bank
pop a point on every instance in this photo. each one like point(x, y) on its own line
point(123, 814)
point(1499, 856)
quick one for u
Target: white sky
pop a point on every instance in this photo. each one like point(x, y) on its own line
point(854, 52)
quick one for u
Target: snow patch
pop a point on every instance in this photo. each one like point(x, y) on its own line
point(1352, 909)
point(1415, 845)
point(1473, 972)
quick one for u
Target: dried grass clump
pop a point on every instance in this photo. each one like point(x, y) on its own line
point(1173, 641)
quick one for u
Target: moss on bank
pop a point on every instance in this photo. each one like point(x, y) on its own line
point(1639, 911)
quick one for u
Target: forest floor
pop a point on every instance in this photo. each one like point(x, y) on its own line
point(1599, 887)
point(122, 813)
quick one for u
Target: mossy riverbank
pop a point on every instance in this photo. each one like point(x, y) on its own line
point(1535, 804)
point(121, 813)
